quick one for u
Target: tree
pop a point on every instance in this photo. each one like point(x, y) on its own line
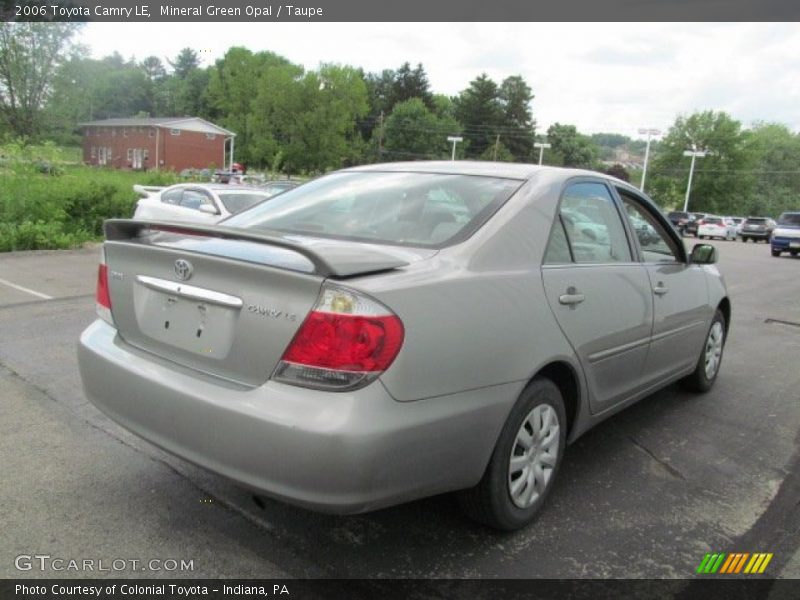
point(570, 148)
point(479, 110)
point(721, 183)
point(774, 155)
point(618, 171)
point(185, 63)
point(413, 131)
point(519, 126)
point(30, 54)
point(410, 83)
point(153, 68)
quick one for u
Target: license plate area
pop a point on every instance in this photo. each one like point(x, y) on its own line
point(197, 326)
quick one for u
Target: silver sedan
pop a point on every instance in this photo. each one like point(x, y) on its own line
point(390, 332)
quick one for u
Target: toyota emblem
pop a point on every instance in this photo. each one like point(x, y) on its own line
point(183, 269)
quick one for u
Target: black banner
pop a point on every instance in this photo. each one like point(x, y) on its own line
point(230, 11)
point(445, 589)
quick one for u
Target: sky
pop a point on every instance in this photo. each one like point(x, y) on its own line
point(600, 77)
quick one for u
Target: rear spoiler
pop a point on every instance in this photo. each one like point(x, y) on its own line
point(330, 259)
point(146, 190)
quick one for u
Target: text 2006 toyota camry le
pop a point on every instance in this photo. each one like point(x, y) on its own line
point(395, 331)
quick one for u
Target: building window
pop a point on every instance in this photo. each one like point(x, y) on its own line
point(130, 154)
point(174, 131)
point(113, 132)
point(151, 133)
point(211, 136)
point(93, 152)
point(145, 154)
point(124, 132)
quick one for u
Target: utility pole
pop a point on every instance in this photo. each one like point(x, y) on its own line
point(694, 153)
point(496, 144)
point(380, 136)
point(649, 132)
point(541, 148)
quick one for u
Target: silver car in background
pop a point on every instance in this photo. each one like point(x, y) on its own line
point(390, 332)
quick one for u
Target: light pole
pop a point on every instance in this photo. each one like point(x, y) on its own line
point(649, 133)
point(455, 139)
point(541, 148)
point(694, 153)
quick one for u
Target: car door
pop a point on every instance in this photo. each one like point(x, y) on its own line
point(681, 312)
point(598, 293)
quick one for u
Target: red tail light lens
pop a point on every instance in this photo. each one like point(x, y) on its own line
point(346, 341)
point(102, 295)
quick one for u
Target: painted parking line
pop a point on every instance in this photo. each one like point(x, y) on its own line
point(26, 290)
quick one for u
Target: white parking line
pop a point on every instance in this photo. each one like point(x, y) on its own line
point(26, 290)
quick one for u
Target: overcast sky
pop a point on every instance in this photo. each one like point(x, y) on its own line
point(599, 77)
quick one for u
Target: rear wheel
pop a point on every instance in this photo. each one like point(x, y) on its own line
point(778, 253)
point(524, 463)
point(705, 373)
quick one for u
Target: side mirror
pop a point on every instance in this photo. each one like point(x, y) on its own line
point(703, 254)
point(208, 209)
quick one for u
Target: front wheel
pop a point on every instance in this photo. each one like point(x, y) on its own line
point(524, 463)
point(707, 368)
point(778, 253)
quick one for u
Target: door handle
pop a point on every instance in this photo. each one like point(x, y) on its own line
point(660, 289)
point(572, 297)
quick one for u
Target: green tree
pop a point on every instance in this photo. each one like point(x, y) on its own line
point(479, 110)
point(185, 63)
point(413, 131)
point(30, 54)
point(774, 154)
point(518, 124)
point(722, 181)
point(569, 148)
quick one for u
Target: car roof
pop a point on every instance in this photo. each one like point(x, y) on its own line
point(480, 168)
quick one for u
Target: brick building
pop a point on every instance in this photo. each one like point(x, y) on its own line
point(175, 143)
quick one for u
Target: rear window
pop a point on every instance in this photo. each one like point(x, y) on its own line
point(413, 209)
point(756, 221)
point(237, 202)
point(790, 219)
point(678, 215)
point(713, 221)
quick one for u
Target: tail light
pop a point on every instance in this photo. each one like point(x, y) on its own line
point(347, 340)
point(700, 222)
point(102, 296)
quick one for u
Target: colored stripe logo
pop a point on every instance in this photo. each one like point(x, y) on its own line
point(734, 563)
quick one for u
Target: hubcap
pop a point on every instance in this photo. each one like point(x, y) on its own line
point(533, 456)
point(714, 349)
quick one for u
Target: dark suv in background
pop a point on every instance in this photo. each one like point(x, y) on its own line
point(757, 228)
point(679, 219)
point(695, 220)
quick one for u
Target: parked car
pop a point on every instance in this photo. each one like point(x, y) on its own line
point(273, 188)
point(192, 202)
point(738, 222)
point(713, 227)
point(757, 228)
point(679, 219)
point(786, 235)
point(693, 223)
point(390, 332)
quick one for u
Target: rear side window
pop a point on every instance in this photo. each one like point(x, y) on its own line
point(172, 196)
point(414, 209)
point(713, 221)
point(238, 202)
point(756, 221)
point(591, 225)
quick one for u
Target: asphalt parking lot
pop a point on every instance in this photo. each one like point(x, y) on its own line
point(645, 494)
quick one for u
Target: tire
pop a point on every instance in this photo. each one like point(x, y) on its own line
point(793, 252)
point(496, 501)
point(777, 253)
point(703, 378)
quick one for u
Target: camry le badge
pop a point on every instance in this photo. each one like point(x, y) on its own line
point(183, 269)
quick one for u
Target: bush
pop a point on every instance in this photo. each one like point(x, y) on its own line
point(41, 211)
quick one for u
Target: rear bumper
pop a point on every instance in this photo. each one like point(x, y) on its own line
point(334, 452)
point(755, 234)
point(785, 243)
